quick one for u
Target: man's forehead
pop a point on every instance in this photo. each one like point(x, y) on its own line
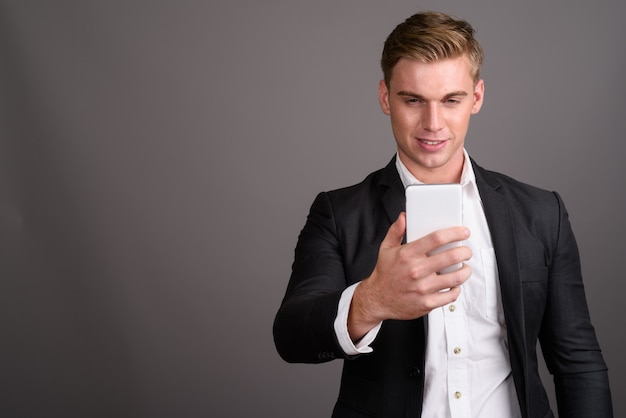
point(446, 76)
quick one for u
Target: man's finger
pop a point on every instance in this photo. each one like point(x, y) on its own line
point(396, 232)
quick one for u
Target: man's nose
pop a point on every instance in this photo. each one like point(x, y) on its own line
point(432, 118)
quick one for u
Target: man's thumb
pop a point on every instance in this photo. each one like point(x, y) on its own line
point(396, 231)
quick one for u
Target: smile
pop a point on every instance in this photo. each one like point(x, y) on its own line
point(427, 142)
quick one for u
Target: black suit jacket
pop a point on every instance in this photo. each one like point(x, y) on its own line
point(540, 280)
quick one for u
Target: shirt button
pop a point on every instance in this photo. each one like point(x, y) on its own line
point(452, 308)
point(457, 350)
point(457, 395)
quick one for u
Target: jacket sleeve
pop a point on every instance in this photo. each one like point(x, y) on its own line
point(568, 340)
point(303, 327)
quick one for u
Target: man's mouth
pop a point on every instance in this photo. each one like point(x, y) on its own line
point(427, 142)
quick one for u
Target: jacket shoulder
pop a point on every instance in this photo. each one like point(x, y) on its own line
point(368, 192)
point(520, 192)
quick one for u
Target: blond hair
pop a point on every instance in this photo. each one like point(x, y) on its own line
point(429, 37)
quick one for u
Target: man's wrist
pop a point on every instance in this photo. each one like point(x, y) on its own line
point(360, 317)
point(348, 345)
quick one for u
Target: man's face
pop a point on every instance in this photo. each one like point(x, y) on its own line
point(430, 106)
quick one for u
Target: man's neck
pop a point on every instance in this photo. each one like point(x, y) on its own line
point(450, 173)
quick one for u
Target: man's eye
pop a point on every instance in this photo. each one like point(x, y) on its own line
point(413, 100)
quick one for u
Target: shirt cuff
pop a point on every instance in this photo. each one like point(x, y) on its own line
point(341, 327)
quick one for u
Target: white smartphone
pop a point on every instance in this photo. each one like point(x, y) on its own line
point(430, 207)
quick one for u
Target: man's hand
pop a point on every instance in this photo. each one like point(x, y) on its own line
point(405, 283)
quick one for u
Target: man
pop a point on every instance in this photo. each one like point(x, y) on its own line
point(412, 347)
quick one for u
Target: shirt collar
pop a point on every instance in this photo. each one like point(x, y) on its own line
point(467, 175)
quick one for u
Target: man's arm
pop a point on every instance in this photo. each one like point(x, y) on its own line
point(403, 285)
point(303, 327)
point(567, 337)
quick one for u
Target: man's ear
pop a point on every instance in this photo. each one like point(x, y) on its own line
point(383, 97)
point(479, 95)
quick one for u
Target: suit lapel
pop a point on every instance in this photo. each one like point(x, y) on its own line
point(392, 191)
point(502, 227)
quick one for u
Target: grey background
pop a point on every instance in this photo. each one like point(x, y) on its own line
point(158, 159)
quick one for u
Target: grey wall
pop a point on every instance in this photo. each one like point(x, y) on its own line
point(157, 161)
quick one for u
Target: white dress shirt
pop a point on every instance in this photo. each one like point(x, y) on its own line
point(468, 372)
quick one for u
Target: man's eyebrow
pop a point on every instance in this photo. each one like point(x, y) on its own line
point(410, 94)
point(459, 93)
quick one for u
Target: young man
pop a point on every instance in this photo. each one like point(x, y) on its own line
point(411, 347)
